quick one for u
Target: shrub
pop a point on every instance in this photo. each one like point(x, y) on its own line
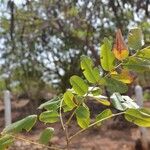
point(112, 74)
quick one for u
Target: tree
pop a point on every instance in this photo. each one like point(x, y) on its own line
point(53, 34)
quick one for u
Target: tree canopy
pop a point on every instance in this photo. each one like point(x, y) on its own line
point(42, 41)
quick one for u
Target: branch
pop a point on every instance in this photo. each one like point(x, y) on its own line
point(93, 124)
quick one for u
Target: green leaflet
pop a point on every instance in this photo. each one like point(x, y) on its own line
point(123, 102)
point(83, 116)
point(135, 38)
point(96, 91)
point(52, 104)
point(140, 117)
point(46, 135)
point(49, 116)
point(26, 123)
point(114, 85)
point(6, 141)
point(144, 53)
point(106, 56)
point(68, 99)
point(104, 114)
point(117, 101)
point(137, 64)
point(100, 98)
point(91, 73)
point(78, 84)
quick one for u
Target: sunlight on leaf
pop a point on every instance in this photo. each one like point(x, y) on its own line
point(90, 72)
point(140, 117)
point(79, 85)
point(124, 76)
point(83, 116)
point(106, 56)
point(68, 99)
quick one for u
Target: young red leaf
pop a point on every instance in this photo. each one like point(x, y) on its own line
point(120, 49)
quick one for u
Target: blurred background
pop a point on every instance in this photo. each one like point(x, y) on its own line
point(41, 42)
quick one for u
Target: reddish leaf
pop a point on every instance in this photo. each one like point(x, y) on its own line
point(120, 49)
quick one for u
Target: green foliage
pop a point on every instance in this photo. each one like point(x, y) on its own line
point(137, 64)
point(135, 38)
point(106, 56)
point(83, 116)
point(49, 116)
point(6, 141)
point(79, 85)
point(104, 114)
point(114, 85)
point(140, 117)
point(100, 99)
point(68, 99)
point(144, 53)
point(112, 76)
point(91, 73)
point(33, 34)
point(53, 104)
point(26, 124)
point(46, 135)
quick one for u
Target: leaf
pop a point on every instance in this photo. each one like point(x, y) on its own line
point(50, 105)
point(66, 108)
point(68, 99)
point(124, 76)
point(114, 85)
point(96, 91)
point(49, 116)
point(139, 117)
point(137, 64)
point(83, 116)
point(6, 141)
point(117, 101)
point(104, 114)
point(120, 49)
point(144, 53)
point(91, 73)
point(106, 56)
point(46, 135)
point(26, 123)
point(103, 100)
point(129, 103)
point(78, 84)
point(123, 102)
point(135, 38)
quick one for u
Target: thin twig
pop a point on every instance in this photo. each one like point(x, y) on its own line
point(65, 127)
point(68, 121)
point(35, 143)
point(67, 136)
point(61, 119)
